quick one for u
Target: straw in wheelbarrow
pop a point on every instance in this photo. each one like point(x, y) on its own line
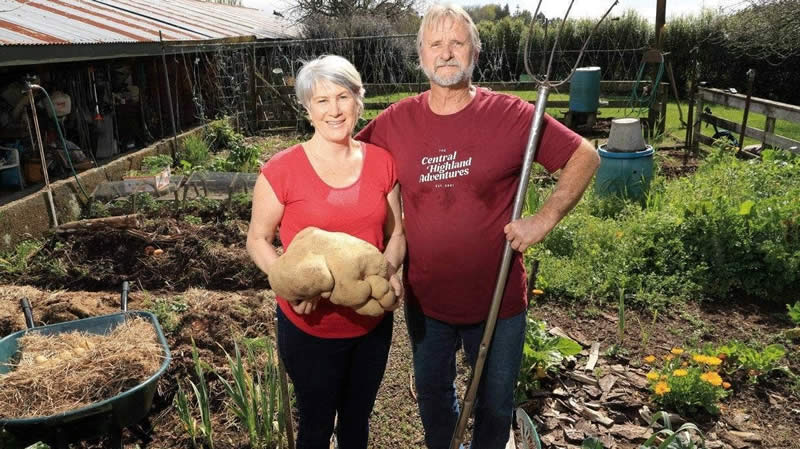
point(66, 371)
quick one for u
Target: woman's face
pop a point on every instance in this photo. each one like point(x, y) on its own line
point(333, 111)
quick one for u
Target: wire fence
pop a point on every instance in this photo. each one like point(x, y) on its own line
point(254, 83)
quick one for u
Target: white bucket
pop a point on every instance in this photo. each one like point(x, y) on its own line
point(626, 135)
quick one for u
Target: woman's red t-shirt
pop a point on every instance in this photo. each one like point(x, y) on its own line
point(359, 209)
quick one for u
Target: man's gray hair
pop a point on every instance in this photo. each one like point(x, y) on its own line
point(439, 12)
point(331, 68)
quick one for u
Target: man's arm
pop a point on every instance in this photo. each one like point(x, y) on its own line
point(575, 177)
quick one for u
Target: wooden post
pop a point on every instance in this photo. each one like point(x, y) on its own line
point(662, 120)
point(690, 112)
point(751, 75)
point(698, 123)
point(252, 91)
point(769, 130)
point(174, 148)
point(661, 15)
point(158, 99)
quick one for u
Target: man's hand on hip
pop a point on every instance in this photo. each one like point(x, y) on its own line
point(527, 231)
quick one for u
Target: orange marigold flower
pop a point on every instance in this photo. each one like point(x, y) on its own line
point(726, 385)
point(677, 351)
point(680, 372)
point(713, 361)
point(699, 358)
point(661, 388)
point(652, 375)
point(712, 378)
point(650, 359)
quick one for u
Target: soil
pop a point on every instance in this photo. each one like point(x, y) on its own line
point(215, 319)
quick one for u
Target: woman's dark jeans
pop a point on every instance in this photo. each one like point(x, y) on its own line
point(334, 376)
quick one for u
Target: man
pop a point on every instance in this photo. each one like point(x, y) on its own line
point(459, 152)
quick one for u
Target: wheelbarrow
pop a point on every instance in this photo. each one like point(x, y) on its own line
point(109, 416)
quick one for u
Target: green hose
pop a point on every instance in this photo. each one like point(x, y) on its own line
point(64, 143)
point(641, 102)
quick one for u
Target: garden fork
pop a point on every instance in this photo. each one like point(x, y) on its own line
point(544, 87)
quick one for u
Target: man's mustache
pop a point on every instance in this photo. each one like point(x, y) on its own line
point(452, 63)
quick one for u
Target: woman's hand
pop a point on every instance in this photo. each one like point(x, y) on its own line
point(305, 306)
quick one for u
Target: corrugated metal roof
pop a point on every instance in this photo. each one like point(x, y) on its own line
point(26, 22)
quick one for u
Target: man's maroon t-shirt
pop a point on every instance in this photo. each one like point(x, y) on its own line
point(458, 176)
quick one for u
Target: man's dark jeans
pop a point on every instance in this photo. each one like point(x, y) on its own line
point(434, 344)
point(334, 375)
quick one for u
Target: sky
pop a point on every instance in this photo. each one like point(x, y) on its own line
point(556, 8)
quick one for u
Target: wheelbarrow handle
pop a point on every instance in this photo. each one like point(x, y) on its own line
point(124, 296)
point(27, 311)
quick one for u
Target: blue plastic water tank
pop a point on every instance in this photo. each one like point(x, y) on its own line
point(584, 90)
point(624, 174)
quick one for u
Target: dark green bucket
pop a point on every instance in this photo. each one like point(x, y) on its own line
point(625, 174)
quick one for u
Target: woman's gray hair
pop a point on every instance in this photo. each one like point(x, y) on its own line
point(439, 12)
point(331, 68)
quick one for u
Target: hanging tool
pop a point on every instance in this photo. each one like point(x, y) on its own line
point(544, 87)
point(174, 148)
point(29, 86)
point(93, 82)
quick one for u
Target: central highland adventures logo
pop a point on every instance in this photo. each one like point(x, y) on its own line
point(444, 167)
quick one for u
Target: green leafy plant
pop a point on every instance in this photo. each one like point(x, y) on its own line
point(18, 260)
point(726, 229)
point(794, 312)
point(687, 384)
point(245, 157)
point(193, 219)
point(667, 438)
point(167, 311)
point(541, 353)
point(202, 429)
point(255, 396)
point(756, 364)
point(186, 416)
point(195, 151)
point(221, 135)
point(152, 165)
point(220, 164)
point(647, 330)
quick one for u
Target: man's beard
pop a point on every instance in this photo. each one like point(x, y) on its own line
point(448, 81)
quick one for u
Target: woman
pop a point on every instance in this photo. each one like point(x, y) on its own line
point(335, 357)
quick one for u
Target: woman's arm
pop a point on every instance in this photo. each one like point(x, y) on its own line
point(264, 220)
point(395, 238)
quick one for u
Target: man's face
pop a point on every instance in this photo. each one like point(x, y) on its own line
point(447, 56)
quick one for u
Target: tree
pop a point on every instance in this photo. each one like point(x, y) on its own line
point(766, 29)
point(347, 9)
